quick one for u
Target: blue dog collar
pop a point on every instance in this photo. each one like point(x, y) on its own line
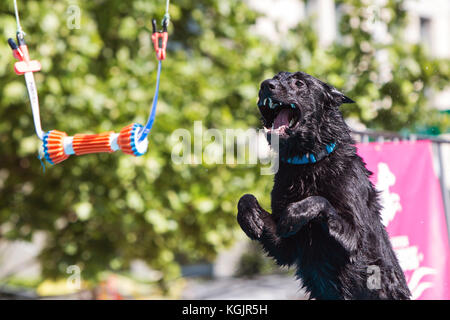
point(311, 157)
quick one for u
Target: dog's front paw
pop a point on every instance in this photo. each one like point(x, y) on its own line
point(250, 216)
point(290, 224)
point(298, 214)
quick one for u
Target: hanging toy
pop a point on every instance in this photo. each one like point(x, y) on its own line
point(57, 145)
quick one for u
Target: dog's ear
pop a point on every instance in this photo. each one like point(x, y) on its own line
point(347, 100)
point(338, 96)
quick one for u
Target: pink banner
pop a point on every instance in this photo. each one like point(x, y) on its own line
point(413, 213)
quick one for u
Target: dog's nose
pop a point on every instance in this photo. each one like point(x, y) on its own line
point(269, 85)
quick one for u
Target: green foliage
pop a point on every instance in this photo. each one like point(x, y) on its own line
point(102, 211)
point(391, 80)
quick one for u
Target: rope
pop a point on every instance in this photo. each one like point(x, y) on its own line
point(40, 157)
point(16, 11)
point(167, 15)
point(146, 130)
point(19, 27)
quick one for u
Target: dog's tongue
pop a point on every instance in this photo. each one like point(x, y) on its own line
point(283, 118)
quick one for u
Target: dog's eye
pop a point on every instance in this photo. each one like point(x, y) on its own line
point(299, 83)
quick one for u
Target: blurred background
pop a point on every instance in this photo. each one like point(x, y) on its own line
point(110, 226)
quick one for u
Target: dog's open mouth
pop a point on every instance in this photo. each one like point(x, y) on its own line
point(279, 117)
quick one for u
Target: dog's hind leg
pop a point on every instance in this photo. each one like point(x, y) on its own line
point(258, 224)
point(298, 214)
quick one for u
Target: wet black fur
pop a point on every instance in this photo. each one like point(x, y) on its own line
point(325, 216)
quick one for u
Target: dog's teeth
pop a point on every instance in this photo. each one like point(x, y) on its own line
point(265, 102)
point(273, 126)
point(271, 104)
point(291, 122)
point(293, 106)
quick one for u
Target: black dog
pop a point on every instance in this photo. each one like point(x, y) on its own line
point(325, 212)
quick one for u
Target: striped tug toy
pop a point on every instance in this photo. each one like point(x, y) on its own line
point(57, 145)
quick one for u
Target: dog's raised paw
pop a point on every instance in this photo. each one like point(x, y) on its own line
point(290, 224)
point(249, 216)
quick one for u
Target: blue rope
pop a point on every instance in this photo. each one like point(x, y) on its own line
point(146, 130)
point(42, 162)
